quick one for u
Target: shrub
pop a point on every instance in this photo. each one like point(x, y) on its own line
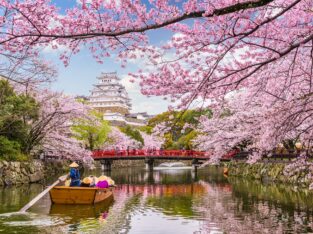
point(11, 150)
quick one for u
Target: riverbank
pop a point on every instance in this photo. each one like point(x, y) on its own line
point(12, 173)
point(290, 173)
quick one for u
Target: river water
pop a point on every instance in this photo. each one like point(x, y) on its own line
point(166, 202)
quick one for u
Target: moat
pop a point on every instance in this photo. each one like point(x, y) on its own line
point(167, 201)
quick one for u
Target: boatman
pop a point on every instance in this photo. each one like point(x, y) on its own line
point(74, 175)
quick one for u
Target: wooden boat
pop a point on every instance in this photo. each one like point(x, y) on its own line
point(79, 195)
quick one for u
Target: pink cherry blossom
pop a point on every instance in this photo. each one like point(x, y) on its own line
point(261, 49)
point(51, 132)
point(117, 139)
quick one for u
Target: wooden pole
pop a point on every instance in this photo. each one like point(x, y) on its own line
point(44, 192)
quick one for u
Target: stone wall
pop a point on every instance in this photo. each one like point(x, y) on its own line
point(113, 109)
point(28, 172)
point(270, 172)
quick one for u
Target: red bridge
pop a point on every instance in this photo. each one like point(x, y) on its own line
point(143, 154)
point(107, 156)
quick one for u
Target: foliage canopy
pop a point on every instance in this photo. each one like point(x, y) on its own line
point(17, 112)
point(179, 136)
point(93, 130)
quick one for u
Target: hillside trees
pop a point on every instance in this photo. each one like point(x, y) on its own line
point(118, 139)
point(133, 133)
point(144, 136)
point(93, 130)
point(178, 127)
point(17, 113)
point(151, 141)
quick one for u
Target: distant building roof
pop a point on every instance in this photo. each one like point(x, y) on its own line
point(108, 75)
point(143, 114)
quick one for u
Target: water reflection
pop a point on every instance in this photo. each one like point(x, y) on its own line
point(78, 213)
point(12, 198)
point(245, 208)
point(167, 202)
point(135, 176)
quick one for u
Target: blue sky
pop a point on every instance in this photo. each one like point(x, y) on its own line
point(80, 75)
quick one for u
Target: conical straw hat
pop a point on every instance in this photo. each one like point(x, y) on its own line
point(93, 179)
point(74, 164)
point(101, 178)
point(111, 182)
point(86, 180)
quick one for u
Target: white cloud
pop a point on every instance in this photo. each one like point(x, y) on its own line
point(178, 35)
point(130, 86)
point(154, 106)
point(54, 48)
point(141, 103)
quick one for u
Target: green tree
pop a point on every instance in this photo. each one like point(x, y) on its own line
point(186, 140)
point(147, 129)
point(133, 133)
point(179, 137)
point(92, 130)
point(17, 112)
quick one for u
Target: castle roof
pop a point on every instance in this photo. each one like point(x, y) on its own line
point(102, 91)
point(112, 75)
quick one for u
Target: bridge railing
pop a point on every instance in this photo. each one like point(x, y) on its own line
point(231, 155)
point(146, 153)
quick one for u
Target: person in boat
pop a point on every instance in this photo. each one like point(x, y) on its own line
point(102, 182)
point(74, 175)
point(111, 182)
point(93, 181)
point(86, 182)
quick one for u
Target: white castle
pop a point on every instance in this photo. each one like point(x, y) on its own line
point(111, 98)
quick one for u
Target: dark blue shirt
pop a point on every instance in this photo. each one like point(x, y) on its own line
point(75, 177)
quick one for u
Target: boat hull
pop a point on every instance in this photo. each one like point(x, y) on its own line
point(79, 195)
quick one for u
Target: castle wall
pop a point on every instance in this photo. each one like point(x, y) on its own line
point(111, 98)
point(113, 109)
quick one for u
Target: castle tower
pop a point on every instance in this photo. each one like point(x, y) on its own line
point(110, 97)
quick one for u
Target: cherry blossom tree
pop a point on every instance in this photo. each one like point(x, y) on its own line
point(53, 129)
point(247, 118)
point(151, 141)
point(28, 71)
point(263, 47)
point(218, 45)
point(51, 132)
point(117, 139)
